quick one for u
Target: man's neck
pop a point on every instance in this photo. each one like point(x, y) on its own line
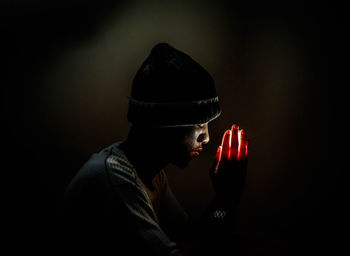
point(145, 158)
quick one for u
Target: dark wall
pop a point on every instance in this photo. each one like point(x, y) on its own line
point(278, 70)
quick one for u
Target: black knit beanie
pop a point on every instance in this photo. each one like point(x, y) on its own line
point(171, 89)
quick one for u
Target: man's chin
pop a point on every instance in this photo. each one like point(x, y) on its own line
point(181, 163)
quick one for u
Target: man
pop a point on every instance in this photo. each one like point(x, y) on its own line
point(121, 198)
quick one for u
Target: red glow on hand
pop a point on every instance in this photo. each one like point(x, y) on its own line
point(218, 157)
point(234, 141)
point(234, 146)
point(242, 142)
point(226, 144)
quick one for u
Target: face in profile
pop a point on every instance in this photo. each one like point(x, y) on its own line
point(187, 143)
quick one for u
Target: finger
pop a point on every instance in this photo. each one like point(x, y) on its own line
point(226, 141)
point(234, 141)
point(218, 158)
point(241, 146)
point(246, 149)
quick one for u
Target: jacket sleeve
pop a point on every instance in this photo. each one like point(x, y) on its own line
point(140, 216)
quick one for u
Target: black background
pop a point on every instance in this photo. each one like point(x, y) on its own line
point(295, 197)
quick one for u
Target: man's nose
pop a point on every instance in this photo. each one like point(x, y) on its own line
point(204, 137)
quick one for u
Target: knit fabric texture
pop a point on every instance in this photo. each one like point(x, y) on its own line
point(172, 89)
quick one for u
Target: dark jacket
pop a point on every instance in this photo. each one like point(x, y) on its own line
point(106, 205)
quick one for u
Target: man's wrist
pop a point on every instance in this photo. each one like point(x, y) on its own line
point(222, 202)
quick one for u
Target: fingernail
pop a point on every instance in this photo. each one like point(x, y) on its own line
point(235, 126)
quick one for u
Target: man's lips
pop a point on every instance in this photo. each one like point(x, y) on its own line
point(195, 152)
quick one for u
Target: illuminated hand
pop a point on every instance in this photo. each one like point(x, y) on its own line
point(234, 147)
point(229, 169)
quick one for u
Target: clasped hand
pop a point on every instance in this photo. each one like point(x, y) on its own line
point(229, 168)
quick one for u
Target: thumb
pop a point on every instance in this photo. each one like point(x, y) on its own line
point(217, 158)
point(216, 161)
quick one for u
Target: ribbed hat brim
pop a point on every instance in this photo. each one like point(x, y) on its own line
point(173, 114)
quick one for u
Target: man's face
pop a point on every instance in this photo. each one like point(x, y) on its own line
point(187, 143)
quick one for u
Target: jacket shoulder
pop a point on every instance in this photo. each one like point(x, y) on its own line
point(120, 170)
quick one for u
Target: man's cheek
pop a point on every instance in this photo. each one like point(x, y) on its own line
point(189, 143)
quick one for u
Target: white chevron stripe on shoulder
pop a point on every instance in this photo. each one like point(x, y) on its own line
point(120, 164)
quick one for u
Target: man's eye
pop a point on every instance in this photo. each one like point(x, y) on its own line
point(200, 125)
